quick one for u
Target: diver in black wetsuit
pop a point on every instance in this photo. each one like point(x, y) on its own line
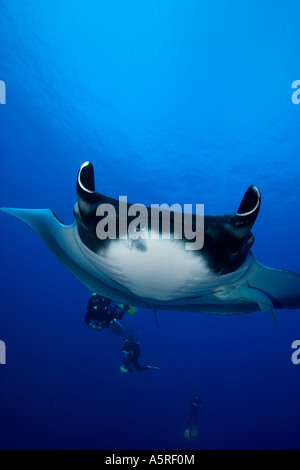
point(131, 351)
point(104, 313)
point(196, 404)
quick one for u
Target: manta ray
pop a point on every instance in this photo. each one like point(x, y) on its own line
point(223, 277)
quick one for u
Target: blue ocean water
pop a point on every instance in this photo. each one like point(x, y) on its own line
point(172, 101)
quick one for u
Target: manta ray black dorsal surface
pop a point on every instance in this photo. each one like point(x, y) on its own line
point(227, 239)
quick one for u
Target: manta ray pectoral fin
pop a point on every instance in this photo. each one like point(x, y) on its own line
point(43, 221)
point(63, 242)
point(281, 287)
point(58, 237)
point(48, 227)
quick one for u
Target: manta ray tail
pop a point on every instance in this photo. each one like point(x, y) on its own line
point(154, 309)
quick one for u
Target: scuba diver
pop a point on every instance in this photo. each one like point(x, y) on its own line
point(195, 404)
point(131, 351)
point(102, 312)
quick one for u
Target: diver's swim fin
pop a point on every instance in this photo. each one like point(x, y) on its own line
point(132, 310)
point(195, 431)
point(128, 308)
point(187, 434)
point(153, 367)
